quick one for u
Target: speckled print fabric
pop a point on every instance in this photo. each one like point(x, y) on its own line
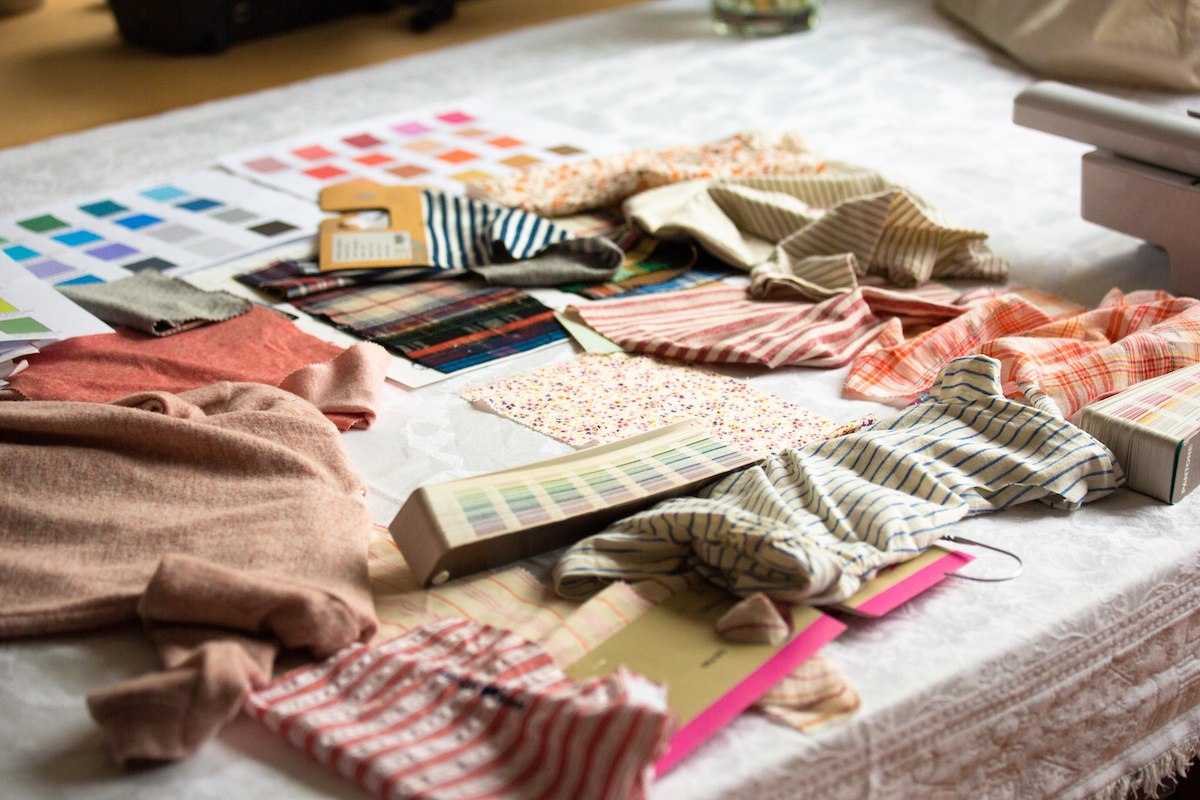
point(595, 399)
point(559, 190)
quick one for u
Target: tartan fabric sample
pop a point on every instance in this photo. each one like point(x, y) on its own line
point(448, 325)
point(1074, 359)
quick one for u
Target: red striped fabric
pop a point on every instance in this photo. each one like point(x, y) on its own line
point(1074, 360)
point(720, 323)
point(459, 710)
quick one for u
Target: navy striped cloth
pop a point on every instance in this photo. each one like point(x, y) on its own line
point(810, 525)
point(505, 246)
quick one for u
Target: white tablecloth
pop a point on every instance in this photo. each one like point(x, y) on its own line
point(1061, 683)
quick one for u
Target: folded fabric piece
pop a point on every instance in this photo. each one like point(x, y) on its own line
point(1074, 358)
point(229, 519)
point(261, 346)
point(721, 324)
point(813, 236)
point(154, 303)
point(559, 190)
point(458, 709)
point(596, 399)
point(810, 525)
point(521, 599)
point(447, 325)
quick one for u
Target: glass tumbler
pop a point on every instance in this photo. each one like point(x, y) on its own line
point(764, 17)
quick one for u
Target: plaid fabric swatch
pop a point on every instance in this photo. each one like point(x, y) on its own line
point(448, 325)
point(719, 323)
point(809, 525)
point(1074, 358)
point(456, 709)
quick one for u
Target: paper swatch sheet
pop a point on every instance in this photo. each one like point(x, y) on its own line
point(174, 226)
point(444, 146)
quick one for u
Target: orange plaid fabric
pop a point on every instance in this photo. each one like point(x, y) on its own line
point(1073, 358)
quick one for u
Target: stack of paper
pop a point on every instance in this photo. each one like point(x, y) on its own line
point(32, 315)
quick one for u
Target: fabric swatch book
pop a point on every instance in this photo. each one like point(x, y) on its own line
point(709, 680)
point(1151, 428)
point(455, 528)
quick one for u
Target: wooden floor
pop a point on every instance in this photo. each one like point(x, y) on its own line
point(64, 67)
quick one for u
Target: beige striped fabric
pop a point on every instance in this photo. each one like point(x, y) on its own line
point(815, 235)
point(520, 599)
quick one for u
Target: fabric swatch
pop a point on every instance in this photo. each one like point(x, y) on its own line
point(596, 399)
point(261, 346)
point(227, 519)
point(448, 325)
point(810, 525)
point(814, 236)
point(560, 190)
point(1073, 357)
point(154, 303)
point(719, 323)
point(458, 709)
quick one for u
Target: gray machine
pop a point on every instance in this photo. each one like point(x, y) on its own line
point(1142, 181)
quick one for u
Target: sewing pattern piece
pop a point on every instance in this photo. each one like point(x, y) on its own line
point(154, 303)
point(596, 399)
point(559, 190)
point(1073, 358)
point(719, 323)
point(810, 525)
point(457, 709)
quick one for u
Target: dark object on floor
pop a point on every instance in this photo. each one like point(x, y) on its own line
point(211, 26)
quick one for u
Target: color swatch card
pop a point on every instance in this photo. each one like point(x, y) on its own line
point(32, 311)
point(447, 530)
point(444, 146)
point(177, 226)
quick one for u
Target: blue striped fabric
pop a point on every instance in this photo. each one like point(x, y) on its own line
point(809, 525)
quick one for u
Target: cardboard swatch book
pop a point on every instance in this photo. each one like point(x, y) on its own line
point(1151, 429)
point(455, 528)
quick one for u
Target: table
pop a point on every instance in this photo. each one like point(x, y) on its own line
point(1078, 679)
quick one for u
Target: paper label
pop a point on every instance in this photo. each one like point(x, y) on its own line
point(380, 246)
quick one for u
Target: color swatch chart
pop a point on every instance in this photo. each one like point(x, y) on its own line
point(562, 490)
point(445, 147)
point(176, 226)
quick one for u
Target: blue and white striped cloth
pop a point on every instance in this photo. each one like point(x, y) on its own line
point(810, 525)
point(509, 246)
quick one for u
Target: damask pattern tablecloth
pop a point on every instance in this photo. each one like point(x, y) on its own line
point(1075, 679)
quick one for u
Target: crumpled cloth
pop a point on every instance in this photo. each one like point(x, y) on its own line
point(520, 598)
point(810, 525)
point(154, 303)
point(457, 709)
point(261, 346)
point(1074, 358)
point(561, 190)
point(720, 323)
point(229, 520)
point(814, 236)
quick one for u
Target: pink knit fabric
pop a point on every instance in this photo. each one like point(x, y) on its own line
point(229, 519)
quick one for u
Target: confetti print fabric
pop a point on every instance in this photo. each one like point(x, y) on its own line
point(595, 399)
